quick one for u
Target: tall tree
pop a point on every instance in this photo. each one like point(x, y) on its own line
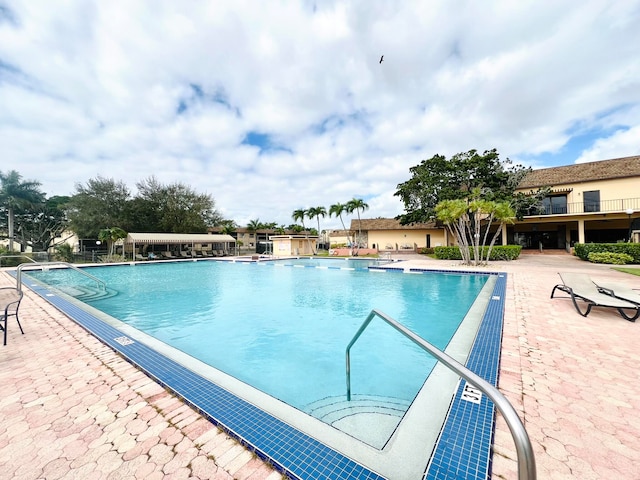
point(439, 178)
point(355, 205)
point(300, 214)
point(176, 207)
point(337, 209)
point(17, 194)
point(97, 205)
point(317, 212)
point(42, 225)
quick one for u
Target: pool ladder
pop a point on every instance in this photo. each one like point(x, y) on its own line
point(526, 459)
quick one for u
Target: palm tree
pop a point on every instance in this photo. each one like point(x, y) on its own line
point(317, 212)
point(357, 204)
point(14, 193)
point(254, 225)
point(338, 209)
point(300, 214)
point(111, 236)
point(228, 227)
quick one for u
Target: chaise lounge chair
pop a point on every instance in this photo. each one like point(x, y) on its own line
point(10, 299)
point(620, 291)
point(580, 287)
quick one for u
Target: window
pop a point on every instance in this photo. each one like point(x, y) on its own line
point(591, 201)
point(555, 205)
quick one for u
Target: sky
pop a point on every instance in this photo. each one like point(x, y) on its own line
point(275, 106)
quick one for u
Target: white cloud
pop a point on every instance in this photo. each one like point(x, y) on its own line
point(127, 90)
point(623, 143)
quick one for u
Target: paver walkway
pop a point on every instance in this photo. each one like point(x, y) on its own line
point(72, 408)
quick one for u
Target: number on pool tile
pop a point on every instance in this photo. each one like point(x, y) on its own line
point(471, 394)
point(124, 340)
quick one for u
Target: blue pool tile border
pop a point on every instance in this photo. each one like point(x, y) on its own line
point(462, 451)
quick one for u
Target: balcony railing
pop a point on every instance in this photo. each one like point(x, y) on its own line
point(620, 205)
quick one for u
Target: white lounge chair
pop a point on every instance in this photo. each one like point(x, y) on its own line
point(620, 291)
point(580, 287)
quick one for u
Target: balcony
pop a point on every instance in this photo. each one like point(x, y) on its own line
point(620, 205)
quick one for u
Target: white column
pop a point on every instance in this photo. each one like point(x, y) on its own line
point(581, 236)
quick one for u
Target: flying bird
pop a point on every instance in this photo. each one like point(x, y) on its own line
point(381, 58)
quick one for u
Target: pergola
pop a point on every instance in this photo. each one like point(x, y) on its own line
point(192, 239)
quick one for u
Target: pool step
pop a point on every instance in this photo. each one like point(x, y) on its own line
point(85, 293)
point(370, 418)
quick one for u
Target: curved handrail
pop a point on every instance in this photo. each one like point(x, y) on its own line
point(47, 264)
point(526, 459)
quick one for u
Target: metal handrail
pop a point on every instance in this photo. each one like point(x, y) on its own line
point(47, 264)
point(617, 205)
point(526, 459)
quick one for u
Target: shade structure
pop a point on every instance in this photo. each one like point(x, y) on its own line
point(168, 238)
point(178, 238)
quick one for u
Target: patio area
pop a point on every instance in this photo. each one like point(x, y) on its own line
point(72, 408)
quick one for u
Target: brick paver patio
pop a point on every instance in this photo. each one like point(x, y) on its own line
point(70, 407)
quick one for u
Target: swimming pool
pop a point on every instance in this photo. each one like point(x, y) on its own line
point(308, 300)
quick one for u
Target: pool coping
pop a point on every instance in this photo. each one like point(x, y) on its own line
point(294, 452)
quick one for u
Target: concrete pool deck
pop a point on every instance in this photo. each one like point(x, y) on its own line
point(70, 407)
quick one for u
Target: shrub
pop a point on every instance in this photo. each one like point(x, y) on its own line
point(426, 251)
point(64, 253)
point(582, 250)
point(13, 259)
point(498, 252)
point(608, 257)
point(115, 258)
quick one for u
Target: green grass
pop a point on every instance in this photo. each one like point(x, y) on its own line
point(631, 270)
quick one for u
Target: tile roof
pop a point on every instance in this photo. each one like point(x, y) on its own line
point(339, 233)
point(583, 172)
point(388, 224)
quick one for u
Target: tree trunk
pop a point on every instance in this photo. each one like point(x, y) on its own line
point(10, 226)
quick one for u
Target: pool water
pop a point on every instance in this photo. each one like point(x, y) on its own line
point(328, 262)
point(285, 330)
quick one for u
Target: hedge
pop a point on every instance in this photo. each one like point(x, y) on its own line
point(611, 258)
point(499, 252)
point(582, 250)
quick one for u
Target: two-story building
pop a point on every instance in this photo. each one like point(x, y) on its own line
point(589, 202)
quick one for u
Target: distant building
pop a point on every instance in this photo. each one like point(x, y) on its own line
point(256, 240)
point(387, 234)
point(288, 245)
